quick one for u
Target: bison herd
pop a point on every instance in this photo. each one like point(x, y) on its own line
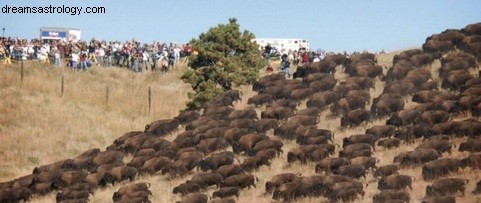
point(224, 147)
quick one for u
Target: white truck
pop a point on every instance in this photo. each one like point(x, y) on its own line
point(55, 33)
point(287, 44)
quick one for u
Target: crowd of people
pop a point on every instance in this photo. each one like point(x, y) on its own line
point(297, 57)
point(81, 55)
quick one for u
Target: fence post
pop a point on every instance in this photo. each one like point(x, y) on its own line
point(150, 99)
point(21, 70)
point(63, 86)
point(107, 96)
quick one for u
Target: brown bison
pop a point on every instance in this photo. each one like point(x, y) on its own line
point(226, 192)
point(395, 182)
point(359, 138)
point(389, 143)
point(386, 170)
point(229, 170)
point(206, 179)
point(330, 165)
point(352, 170)
point(381, 131)
point(355, 118)
point(280, 179)
point(239, 180)
point(260, 99)
point(440, 167)
point(187, 188)
point(445, 187)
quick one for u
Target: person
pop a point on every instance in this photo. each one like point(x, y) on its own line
point(56, 56)
point(286, 66)
point(171, 57)
point(267, 51)
point(75, 60)
point(83, 61)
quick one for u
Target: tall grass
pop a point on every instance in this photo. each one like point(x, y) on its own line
point(39, 126)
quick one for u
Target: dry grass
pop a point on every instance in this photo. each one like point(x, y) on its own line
point(38, 126)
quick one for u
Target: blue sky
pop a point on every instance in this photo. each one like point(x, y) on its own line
point(330, 25)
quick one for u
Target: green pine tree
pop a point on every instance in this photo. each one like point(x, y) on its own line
point(224, 58)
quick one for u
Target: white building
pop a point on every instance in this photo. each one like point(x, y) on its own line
point(283, 43)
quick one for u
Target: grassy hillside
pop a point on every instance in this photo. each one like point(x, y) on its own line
point(39, 126)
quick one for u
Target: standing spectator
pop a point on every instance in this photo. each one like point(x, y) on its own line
point(286, 65)
point(75, 60)
point(145, 59)
point(305, 57)
point(267, 51)
point(83, 61)
point(171, 57)
point(316, 58)
point(56, 57)
point(176, 53)
point(100, 52)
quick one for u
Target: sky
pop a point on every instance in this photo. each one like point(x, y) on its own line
point(341, 25)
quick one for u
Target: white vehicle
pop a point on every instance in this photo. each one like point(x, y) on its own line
point(54, 33)
point(286, 44)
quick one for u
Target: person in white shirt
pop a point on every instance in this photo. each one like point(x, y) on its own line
point(75, 60)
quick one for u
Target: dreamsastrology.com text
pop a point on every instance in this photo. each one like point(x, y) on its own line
point(71, 10)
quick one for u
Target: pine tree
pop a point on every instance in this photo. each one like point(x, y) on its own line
point(224, 58)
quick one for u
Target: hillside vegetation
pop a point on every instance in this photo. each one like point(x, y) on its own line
point(39, 126)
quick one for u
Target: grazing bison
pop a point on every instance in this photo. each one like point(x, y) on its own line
point(386, 170)
point(389, 143)
point(280, 179)
point(439, 145)
point(473, 161)
point(391, 196)
point(381, 131)
point(243, 114)
point(440, 167)
point(366, 161)
point(162, 127)
point(472, 145)
point(395, 182)
point(352, 170)
point(121, 173)
point(155, 164)
point(239, 180)
point(330, 165)
point(265, 124)
point(355, 118)
point(386, 107)
point(445, 187)
point(260, 99)
point(266, 144)
point(215, 161)
point(194, 198)
point(226, 192)
point(229, 170)
point(234, 134)
point(278, 113)
point(187, 188)
point(419, 156)
point(440, 199)
point(211, 144)
point(359, 138)
point(187, 116)
point(96, 180)
point(206, 179)
point(350, 149)
point(247, 142)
